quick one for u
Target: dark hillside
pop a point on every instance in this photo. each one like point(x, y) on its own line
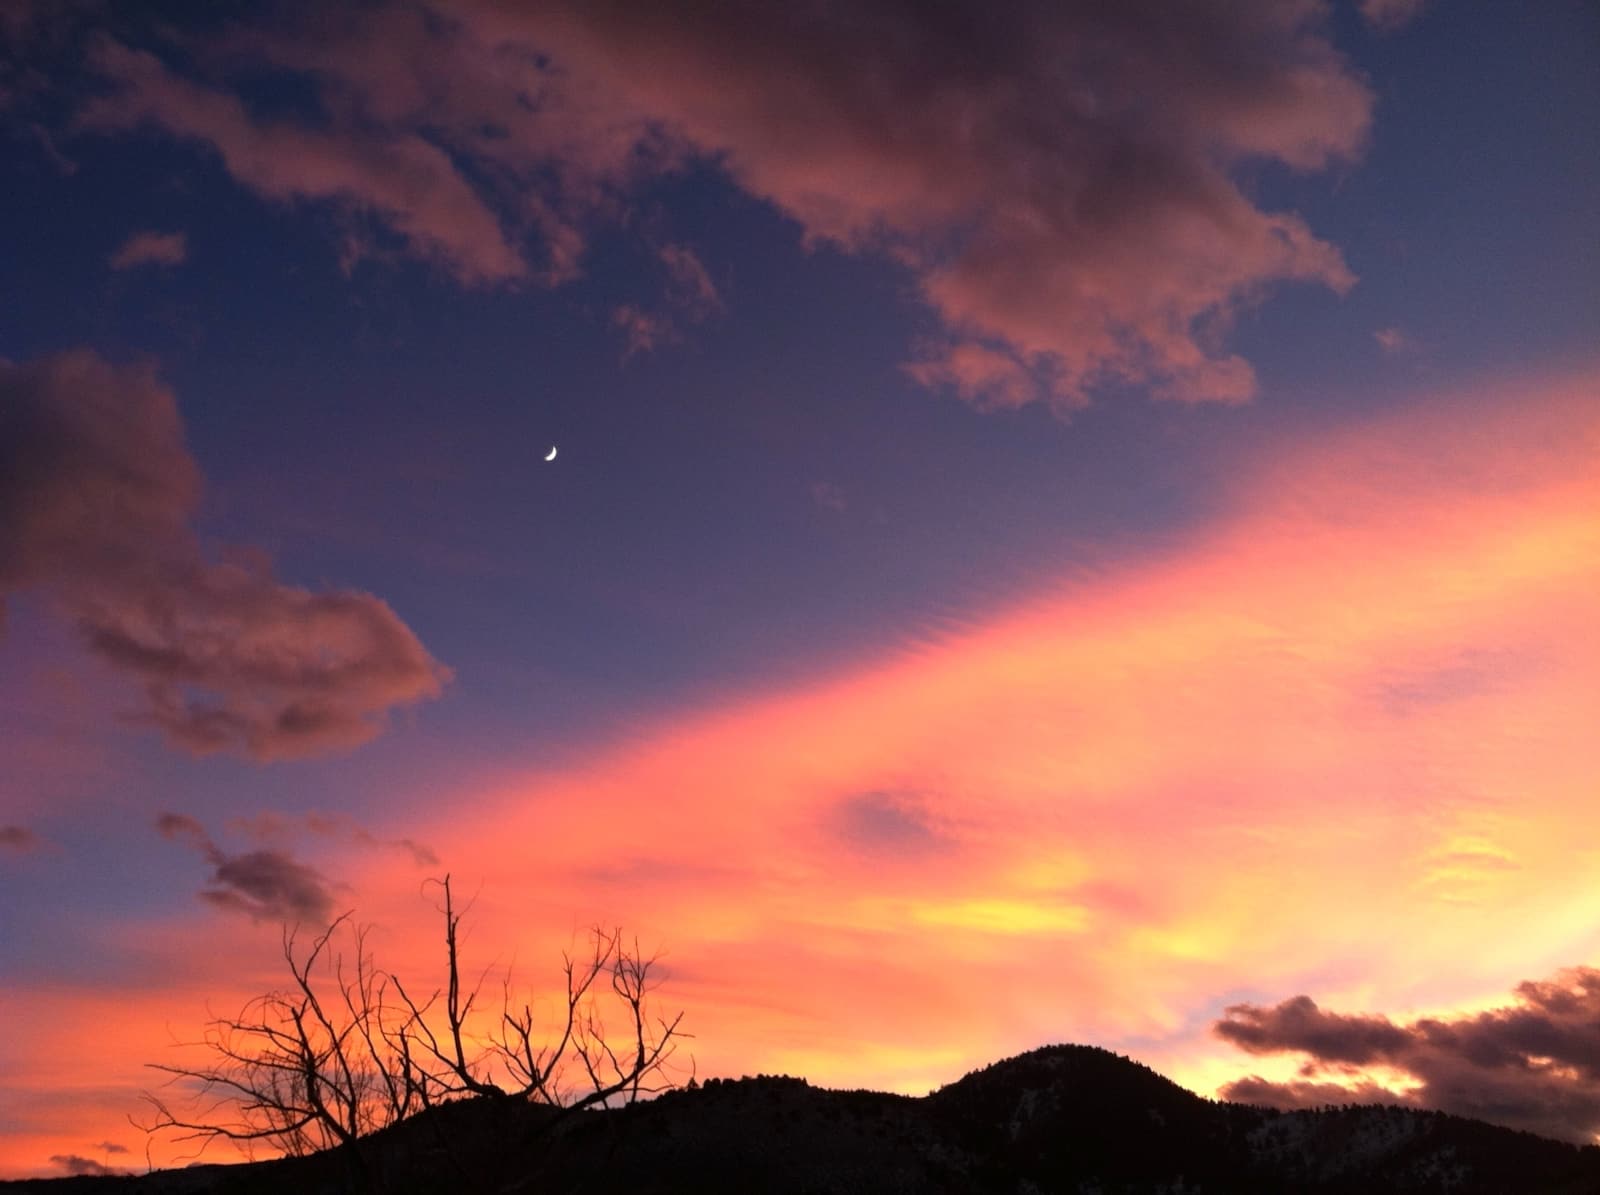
point(1058, 1119)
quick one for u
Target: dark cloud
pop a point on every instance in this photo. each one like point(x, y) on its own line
point(1253, 1089)
point(893, 823)
point(97, 493)
point(18, 838)
point(1533, 1064)
point(1058, 177)
point(267, 884)
point(1298, 1024)
point(77, 1165)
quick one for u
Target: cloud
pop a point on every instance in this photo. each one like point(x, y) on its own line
point(1532, 1064)
point(97, 493)
point(19, 839)
point(888, 823)
point(151, 249)
point(645, 330)
point(1328, 1038)
point(266, 884)
point(1253, 1089)
point(1055, 177)
point(691, 297)
point(273, 829)
point(402, 179)
point(692, 289)
point(1059, 180)
point(829, 495)
point(1393, 341)
point(992, 379)
point(1390, 16)
point(75, 1164)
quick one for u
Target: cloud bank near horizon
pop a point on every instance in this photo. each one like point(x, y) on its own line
point(1532, 1064)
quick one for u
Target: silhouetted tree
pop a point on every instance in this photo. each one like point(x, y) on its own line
point(346, 1050)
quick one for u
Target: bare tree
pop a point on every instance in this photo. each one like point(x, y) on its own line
point(346, 1050)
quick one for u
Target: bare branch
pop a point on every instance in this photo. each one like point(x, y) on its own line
point(346, 1050)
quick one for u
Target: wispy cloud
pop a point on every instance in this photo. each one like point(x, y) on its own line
point(644, 331)
point(692, 290)
point(268, 885)
point(77, 1164)
point(1390, 16)
point(888, 823)
point(97, 493)
point(19, 839)
point(276, 829)
point(151, 249)
point(691, 298)
point(830, 495)
point(1393, 341)
point(402, 178)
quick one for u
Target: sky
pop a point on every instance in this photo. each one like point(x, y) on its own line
point(1066, 523)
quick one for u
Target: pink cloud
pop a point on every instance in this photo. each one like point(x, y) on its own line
point(151, 249)
point(403, 179)
point(1058, 180)
point(97, 490)
point(692, 288)
point(644, 330)
point(691, 297)
point(1393, 341)
point(988, 378)
point(1390, 16)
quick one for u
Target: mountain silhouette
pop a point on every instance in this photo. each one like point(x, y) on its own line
point(1057, 1119)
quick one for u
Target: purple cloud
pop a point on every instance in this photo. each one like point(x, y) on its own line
point(97, 494)
point(266, 884)
point(1533, 1064)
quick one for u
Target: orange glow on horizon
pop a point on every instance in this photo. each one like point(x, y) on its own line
point(1340, 742)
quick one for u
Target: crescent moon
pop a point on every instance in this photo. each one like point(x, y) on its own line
point(552, 455)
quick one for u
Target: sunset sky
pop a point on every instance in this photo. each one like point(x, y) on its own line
point(1070, 523)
